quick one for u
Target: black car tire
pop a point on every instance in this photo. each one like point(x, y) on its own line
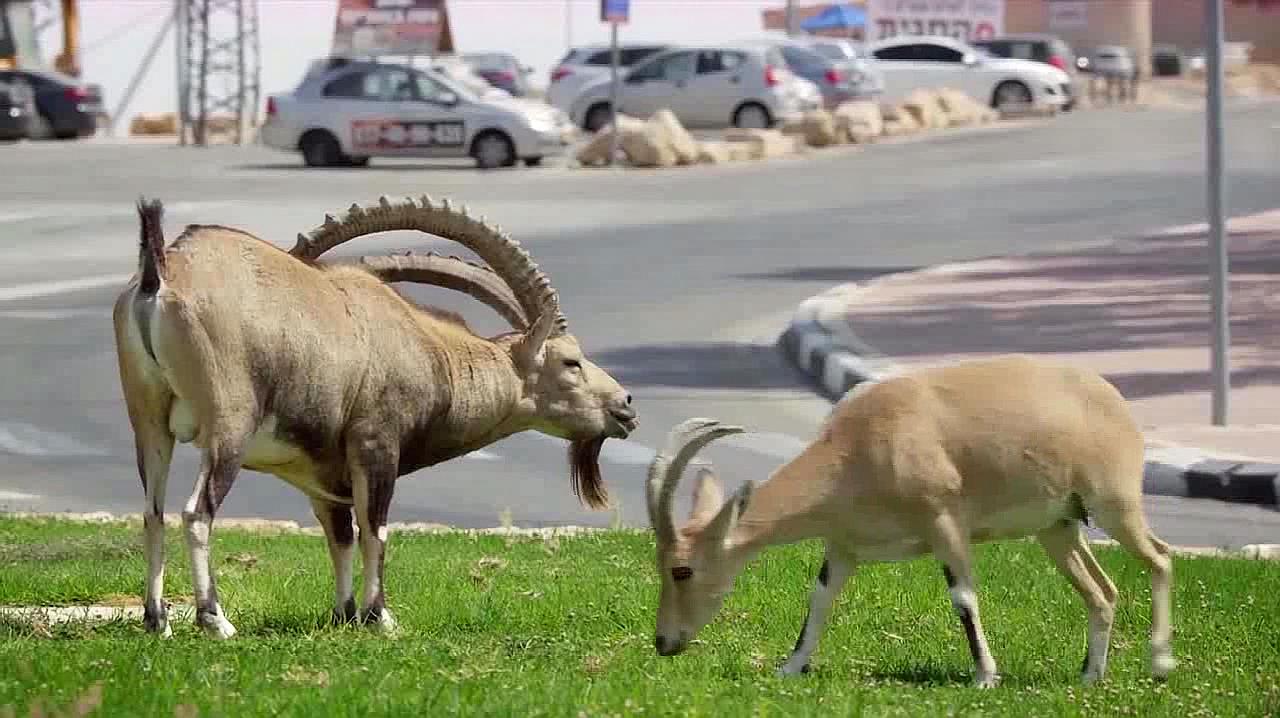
point(492, 149)
point(320, 149)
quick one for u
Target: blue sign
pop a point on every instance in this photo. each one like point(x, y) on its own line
point(615, 11)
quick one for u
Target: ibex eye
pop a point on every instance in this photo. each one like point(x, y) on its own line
point(681, 573)
point(573, 363)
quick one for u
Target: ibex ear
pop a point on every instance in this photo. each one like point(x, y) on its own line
point(722, 525)
point(708, 495)
point(530, 346)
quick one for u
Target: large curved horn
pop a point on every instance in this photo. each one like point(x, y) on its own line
point(454, 273)
point(511, 262)
point(683, 443)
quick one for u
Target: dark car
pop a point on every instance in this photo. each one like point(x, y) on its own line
point(501, 70)
point(65, 107)
point(15, 111)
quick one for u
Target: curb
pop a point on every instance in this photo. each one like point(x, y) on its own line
point(837, 364)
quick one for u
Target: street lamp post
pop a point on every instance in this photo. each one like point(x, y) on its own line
point(1216, 205)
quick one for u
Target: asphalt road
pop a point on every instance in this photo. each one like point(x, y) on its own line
point(676, 281)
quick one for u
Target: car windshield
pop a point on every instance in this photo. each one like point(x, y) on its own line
point(832, 52)
point(487, 60)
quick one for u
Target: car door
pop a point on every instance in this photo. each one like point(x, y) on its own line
point(657, 84)
point(429, 115)
point(358, 107)
point(715, 90)
point(900, 70)
point(943, 66)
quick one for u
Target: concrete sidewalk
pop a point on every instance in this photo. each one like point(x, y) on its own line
point(1137, 310)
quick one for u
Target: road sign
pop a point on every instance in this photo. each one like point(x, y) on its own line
point(617, 12)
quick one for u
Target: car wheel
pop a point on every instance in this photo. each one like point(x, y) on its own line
point(532, 161)
point(492, 150)
point(1011, 95)
point(597, 117)
point(356, 161)
point(753, 116)
point(320, 149)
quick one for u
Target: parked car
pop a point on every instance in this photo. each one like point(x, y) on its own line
point(345, 112)
point(582, 65)
point(16, 105)
point(1166, 60)
point(1114, 61)
point(65, 107)
point(839, 79)
point(502, 70)
point(716, 86)
point(931, 61)
point(1041, 47)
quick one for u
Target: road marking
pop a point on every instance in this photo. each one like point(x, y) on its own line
point(16, 496)
point(60, 286)
point(28, 440)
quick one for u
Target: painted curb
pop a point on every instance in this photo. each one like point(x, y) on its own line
point(838, 363)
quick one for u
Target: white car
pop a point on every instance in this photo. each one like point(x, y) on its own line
point(705, 87)
point(909, 63)
point(345, 112)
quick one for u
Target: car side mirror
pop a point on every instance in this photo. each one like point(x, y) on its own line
point(970, 59)
point(527, 69)
point(448, 98)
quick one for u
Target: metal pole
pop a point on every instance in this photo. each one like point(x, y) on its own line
point(1217, 214)
point(137, 76)
point(202, 126)
point(180, 40)
point(568, 25)
point(615, 58)
point(240, 73)
point(791, 18)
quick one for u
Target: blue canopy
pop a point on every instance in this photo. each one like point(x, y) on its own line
point(836, 17)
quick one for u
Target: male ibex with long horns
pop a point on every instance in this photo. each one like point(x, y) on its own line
point(326, 377)
point(924, 464)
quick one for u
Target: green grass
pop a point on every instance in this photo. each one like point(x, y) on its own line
point(525, 627)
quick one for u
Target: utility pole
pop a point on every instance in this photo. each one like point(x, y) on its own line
point(1217, 201)
point(219, 61)
point(791, 18)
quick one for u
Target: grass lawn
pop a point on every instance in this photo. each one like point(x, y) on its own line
point(564, 627)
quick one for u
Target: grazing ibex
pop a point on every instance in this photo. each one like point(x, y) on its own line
point(918, 464)
point(326, 377)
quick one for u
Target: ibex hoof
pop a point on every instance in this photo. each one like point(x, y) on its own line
point(986, 680)
point(1162, 664)
point(787, 669)
point(216, 626)
point(381, 621)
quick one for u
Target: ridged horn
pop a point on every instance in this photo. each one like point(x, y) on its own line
point(684, 441)
point(530, 286)
point(456, 273)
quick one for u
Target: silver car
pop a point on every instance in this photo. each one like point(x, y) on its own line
point(841, 73)
point(716, 86)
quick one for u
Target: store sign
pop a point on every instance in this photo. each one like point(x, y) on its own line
point(1068, 14)
point(388, 27)
point(965, 20)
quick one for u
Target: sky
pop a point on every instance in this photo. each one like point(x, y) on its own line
point(115, 36)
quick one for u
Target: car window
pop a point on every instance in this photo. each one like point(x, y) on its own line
point(672, 68)
point(430, 90)
point(896, 52)
point(713, 61)
point(383, 84)
point(930, 52)
point(802, 59)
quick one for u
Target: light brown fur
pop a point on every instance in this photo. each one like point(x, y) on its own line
point(926, 462)
point(328, 378)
